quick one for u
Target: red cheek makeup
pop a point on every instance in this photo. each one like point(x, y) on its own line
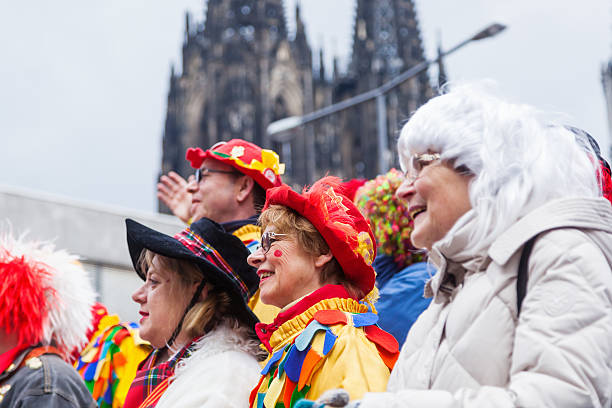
point(278, 253)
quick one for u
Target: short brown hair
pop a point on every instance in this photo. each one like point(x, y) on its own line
point(287, 221)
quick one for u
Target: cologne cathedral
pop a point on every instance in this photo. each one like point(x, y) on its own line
point(241, 70)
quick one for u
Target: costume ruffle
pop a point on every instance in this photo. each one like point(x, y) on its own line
point(109, 362)
point(288, 373)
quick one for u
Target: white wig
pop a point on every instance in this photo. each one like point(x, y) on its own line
point(519, 160)
point(47, 295)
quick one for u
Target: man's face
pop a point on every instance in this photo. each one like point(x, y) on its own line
point(214, 196)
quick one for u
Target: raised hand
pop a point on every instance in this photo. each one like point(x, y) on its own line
point(172, 191)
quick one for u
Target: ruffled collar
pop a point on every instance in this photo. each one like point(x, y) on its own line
point(294, 319)
point(455, 256)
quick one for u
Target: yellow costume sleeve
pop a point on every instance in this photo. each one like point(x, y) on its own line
point(353, 364)
point(265, 313)
point(324, 357)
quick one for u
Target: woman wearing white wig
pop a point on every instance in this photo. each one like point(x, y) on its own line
point(484, 177)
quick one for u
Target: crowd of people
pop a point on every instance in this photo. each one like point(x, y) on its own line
point(480, 275)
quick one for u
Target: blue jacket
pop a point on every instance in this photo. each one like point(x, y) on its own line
point(401, 294)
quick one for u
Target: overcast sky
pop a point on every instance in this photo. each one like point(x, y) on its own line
point(83, 84)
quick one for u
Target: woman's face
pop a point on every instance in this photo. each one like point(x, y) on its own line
point(435, 200)
point(286, 271)
point(162, 299)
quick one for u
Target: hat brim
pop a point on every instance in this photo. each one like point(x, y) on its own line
point(256, 175)
point(141, 237)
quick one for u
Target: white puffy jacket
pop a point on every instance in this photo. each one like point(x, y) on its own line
point(220, 373)
point(468, 349)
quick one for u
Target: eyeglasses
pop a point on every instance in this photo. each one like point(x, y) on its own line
point(417, 163)
point(205, 171)
point(267, 238)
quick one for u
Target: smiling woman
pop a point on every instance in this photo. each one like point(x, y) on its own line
point(437, 196)
point(511, 209)
point(315, 263)
point(195, 315)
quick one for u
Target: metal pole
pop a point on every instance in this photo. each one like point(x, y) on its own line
point(278, 128)
point(98, 280)
point(383, 142)
point(310, 153)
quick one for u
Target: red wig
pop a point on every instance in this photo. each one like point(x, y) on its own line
point(24, 294)
point(45, 295)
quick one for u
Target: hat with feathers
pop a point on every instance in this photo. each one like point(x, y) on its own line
point(339, 222)
point(45, 295)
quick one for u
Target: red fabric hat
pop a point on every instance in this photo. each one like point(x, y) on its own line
point(262, 165)
point(349, 188)
point(606, 179)
point(342, 226)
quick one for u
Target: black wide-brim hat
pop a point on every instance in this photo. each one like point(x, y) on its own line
point(220, 256)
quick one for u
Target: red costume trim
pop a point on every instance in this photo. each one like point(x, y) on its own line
point(153, 398)
point(387, 345)
point(7, 358)
point(265, 331)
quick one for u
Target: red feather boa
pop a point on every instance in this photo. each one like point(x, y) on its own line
point(24, 297)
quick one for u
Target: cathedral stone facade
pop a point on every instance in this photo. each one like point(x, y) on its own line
point(241, 71)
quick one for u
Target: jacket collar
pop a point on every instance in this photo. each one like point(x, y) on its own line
point(11, 360)
point(232, 226)
point(586, 213)
point(221, 339)
point(455, 252)
point(454, 256)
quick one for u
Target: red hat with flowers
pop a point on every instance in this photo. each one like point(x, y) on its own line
point(262, 165)
point(339, 222)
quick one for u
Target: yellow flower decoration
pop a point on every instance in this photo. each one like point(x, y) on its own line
point(269, 160)
point(365, 248)
point(237, 151)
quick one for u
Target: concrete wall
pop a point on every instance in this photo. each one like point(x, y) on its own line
point(94, 232)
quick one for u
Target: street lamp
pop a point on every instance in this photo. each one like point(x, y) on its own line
point(276, 129)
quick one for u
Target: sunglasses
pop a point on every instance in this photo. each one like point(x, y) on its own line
point(205, 171)
point(267, 238)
